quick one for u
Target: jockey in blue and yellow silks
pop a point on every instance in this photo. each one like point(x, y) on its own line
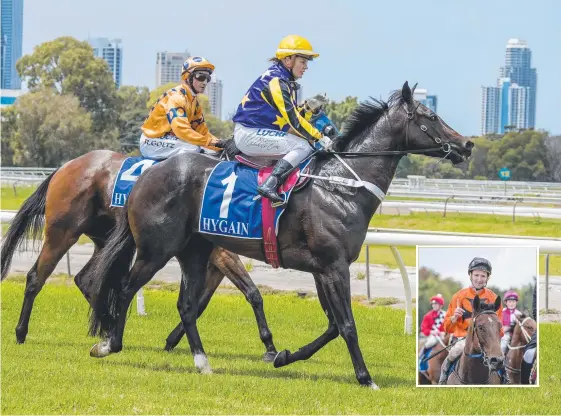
point(267, 121)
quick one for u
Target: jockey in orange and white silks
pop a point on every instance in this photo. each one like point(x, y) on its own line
point(459, 313)
point(176, 121)
point(267, 121)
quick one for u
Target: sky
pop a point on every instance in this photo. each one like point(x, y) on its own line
point(512, 266)
point(367, 48)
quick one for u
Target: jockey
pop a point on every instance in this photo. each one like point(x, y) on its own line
point(509, 318)
point(432, 325)
point(176, 123)
point(458, 316)
point(267, 121)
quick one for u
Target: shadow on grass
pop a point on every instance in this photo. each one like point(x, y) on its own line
point(266, 373)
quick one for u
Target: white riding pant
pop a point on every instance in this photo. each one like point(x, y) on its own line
point(168, 146)
point(529, 355)
point(505, 340)
point(456, 350)
point(432, 340)
point(273, 144)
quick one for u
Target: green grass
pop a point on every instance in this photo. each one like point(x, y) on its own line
point(464, 223)
point(52, 372)
point(11, 201)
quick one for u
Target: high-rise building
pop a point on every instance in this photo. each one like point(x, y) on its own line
point(431, 101)
point(214, 92)
point(512, 102)
point(518, 67)
point(111, 50)
point(491, 98)
point(169, 66)
point(11, 42)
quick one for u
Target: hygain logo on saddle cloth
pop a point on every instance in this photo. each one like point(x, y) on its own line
point(129, 172)
point(232, 207)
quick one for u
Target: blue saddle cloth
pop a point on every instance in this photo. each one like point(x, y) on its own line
point(231, 205)
point(129, 172)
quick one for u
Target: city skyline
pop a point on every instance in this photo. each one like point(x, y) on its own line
point(443, 62)
point(512, 102)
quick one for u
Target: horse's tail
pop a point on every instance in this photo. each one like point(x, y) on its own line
point(109, 272)
point(28, 222)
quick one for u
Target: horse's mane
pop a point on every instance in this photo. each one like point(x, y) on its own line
point(365, 115)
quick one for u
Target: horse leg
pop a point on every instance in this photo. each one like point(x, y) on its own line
point(50, 255)
point(213, 278)
point(286, 357)
point(193, 261)
point(336, 285)
point(81, 279)
point(230, 265)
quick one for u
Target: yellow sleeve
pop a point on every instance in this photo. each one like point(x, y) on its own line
point(280, 93)
point(181, 125)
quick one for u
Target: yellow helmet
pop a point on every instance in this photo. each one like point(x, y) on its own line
point(196, 63)
point(295, 45)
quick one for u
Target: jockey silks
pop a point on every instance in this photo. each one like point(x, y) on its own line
point(270, 103)
point(179, 112)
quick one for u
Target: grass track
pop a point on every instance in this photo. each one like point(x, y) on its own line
point(53, 374)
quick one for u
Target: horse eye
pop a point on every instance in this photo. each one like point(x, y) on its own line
point(433, 117)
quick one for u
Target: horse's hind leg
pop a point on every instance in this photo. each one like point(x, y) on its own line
point(56, 244)
point(230, 265)
point(193, 261)
point(286, 357)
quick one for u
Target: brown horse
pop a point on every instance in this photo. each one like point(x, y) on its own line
point(522, 332)
point(432, 375)
point(482, 355)
point(75, 200)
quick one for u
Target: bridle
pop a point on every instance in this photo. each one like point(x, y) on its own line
point(445, 147)
point(524, 332)
point(482, 354)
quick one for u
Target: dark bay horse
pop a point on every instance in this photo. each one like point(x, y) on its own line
point(432, 375)
point(482, 355)
point(524, 328)
point(75, 200)
point(321, 231)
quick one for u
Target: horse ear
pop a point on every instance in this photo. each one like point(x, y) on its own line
point(497, 303)
point(406, 93)
point(476, 303)
point(413, 89)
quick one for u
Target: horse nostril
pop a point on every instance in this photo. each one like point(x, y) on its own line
point(468, 145)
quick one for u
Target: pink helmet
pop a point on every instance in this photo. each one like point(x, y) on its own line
point(510, 295)
point(438, 298)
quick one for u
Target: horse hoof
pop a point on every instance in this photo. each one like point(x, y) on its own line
point(269, 356)
point(281, 359)
point(169, 347)
point(202, 364)
point(100, 350)
point(20, 340)
point(373, 386)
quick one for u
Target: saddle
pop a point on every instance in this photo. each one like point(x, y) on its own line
point(264, 166)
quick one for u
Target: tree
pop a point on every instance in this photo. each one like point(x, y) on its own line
point(69, 67)
point(132, 113)
point(430, 284)
point(156, 93)
point(338, 112)
point(553, 145)
point(9, 132)
point(52, 129)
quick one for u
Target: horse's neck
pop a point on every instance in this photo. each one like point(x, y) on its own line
point(378, 170)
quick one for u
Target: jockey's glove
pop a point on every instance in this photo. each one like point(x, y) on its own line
point(325, 143)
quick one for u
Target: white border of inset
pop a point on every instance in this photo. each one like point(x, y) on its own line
point(508, 386)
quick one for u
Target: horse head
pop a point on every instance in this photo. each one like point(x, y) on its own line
point(485, 332)
point(425, 129)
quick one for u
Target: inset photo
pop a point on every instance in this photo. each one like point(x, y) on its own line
point(477, 316)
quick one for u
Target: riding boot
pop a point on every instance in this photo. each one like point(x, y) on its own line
point(268, 189)
point(444, 371)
